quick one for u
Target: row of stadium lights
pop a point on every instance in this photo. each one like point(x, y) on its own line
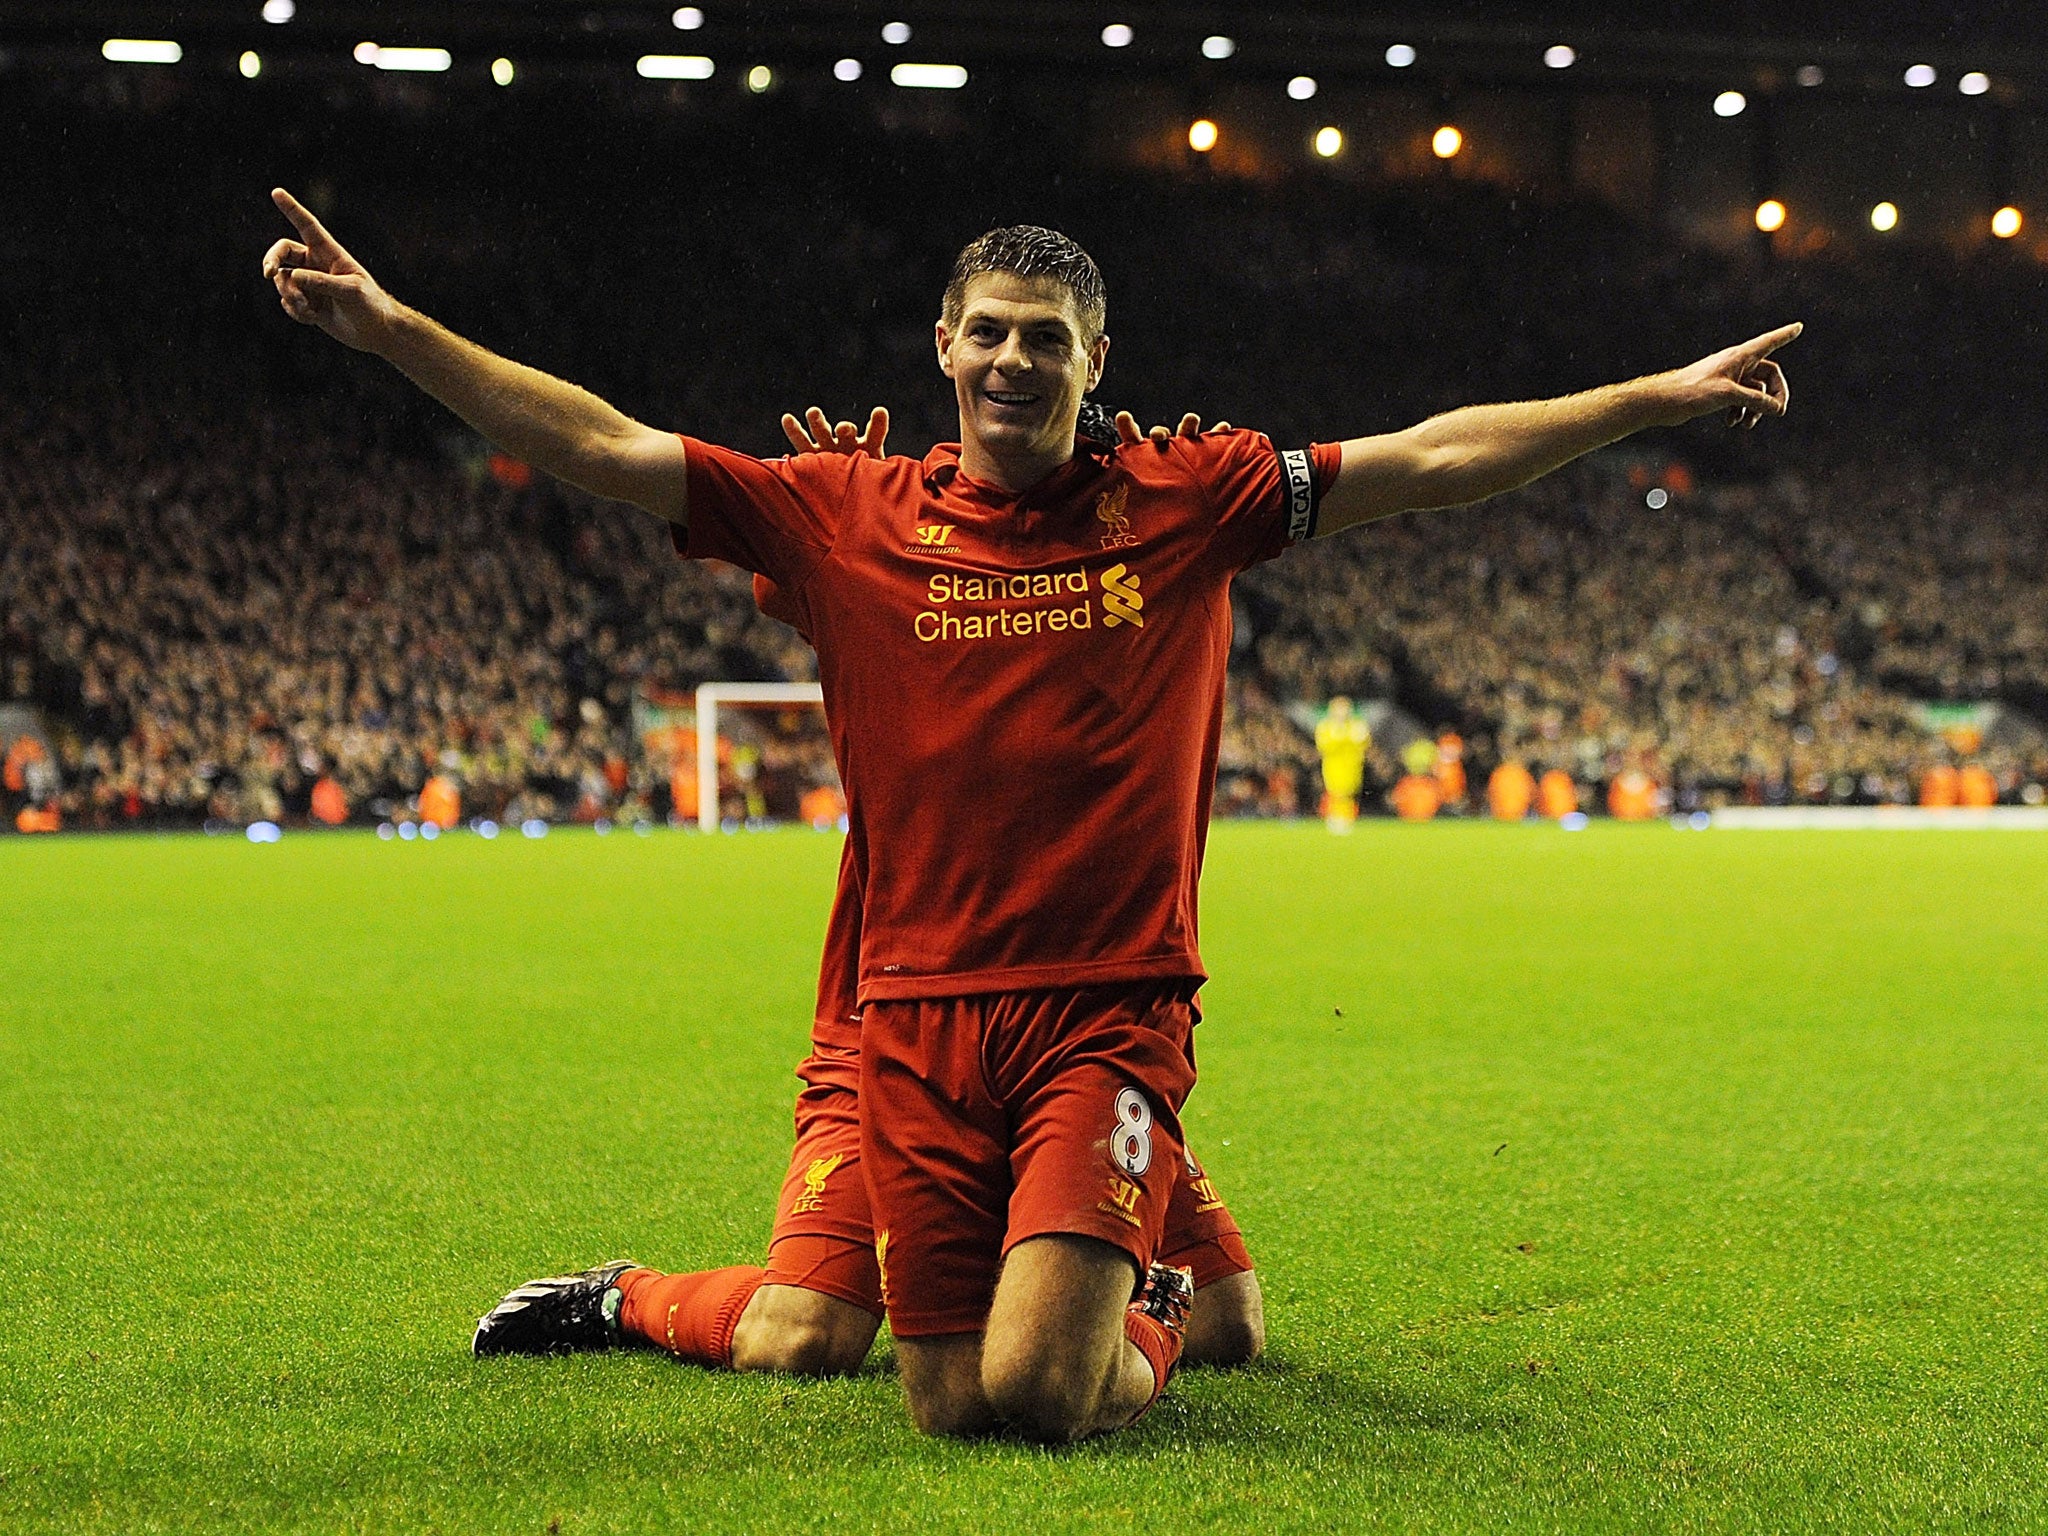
point(1203, 134)
point(1772, 213)
point(1118, 34)
point(652, 66)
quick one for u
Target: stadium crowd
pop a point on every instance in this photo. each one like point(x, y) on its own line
point(226, 577)
point(221, 615)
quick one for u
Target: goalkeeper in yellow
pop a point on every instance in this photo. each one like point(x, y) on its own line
point(1342, 739)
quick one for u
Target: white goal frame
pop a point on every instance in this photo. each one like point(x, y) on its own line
point(709, 697)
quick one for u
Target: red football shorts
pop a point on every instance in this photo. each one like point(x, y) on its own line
point(1201, 1234)
point(824, 1239)
point(995, 1118)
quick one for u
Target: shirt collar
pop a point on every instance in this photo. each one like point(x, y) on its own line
point(942, 465)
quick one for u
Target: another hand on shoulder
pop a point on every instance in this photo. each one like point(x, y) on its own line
point(318, 283)
point(820, 436)
point(1190, 426)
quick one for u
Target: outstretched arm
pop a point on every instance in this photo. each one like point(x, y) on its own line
point(534, 416)
point(1468, 455)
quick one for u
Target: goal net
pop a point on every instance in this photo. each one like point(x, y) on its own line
point(746, 754)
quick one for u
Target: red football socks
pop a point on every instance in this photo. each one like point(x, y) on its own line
point(1161, 1347)
point(693, 1315)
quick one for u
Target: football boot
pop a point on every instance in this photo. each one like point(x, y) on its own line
point(557, 1315)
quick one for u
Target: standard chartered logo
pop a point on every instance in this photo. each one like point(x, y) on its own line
point(1120, 600)
point(1011, 606)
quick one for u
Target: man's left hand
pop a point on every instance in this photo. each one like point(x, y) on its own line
point(1742, 380)
point(820, 436)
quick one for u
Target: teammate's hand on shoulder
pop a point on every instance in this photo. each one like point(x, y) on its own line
point(814, 434)
point(1190, 426)
point(1741, 380)
point(319, 283)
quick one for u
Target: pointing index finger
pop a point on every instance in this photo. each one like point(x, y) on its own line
point(301, 217)
point(1770, 341)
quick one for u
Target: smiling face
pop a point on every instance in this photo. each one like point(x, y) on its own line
point(1020, 360)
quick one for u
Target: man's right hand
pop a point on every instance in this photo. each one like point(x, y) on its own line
point(319, 283)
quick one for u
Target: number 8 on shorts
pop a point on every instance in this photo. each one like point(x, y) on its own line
point(1130, 1148)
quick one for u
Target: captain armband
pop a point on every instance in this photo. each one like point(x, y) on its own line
point(1298, 473)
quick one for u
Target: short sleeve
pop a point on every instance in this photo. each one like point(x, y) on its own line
point(775, 517)
point(1263, 498)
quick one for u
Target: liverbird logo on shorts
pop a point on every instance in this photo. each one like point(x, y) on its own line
point(1109, 511)
point(813, 1197)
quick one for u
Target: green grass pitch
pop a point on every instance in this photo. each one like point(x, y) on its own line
point(1646, 1181)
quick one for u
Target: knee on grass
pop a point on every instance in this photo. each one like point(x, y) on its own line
point(1227, 1325)
point(1046, 1398)
point(802, 1333)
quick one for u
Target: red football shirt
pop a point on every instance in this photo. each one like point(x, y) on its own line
point(1024, 691)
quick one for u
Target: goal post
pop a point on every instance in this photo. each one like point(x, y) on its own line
point(709, 697)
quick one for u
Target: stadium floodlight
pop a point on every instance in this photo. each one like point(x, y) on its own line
point(502, 71)
point(1301, 87)
point(896, 33)
point(929, 77)
point(1884, 217)
point(423, 61)
point(1730, 104)
point(760, 78)
point(1217, 46)
point(1920, 76)
point(1770, 215)
point(688, 19)
point(1202, 135)
point(1329, 142)
point(1975, 83)
point(1117, 34)
point(1560, 56)
point(846, 69)
point(1400, 55)
point(1809, 75)
point(1446, 142)
point(2006, 222)
point(250, 64)
point(278, 12)
point(673, 66)
point(709, 697)
point(141, 50)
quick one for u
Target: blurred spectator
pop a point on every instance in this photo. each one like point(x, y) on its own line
point(1556, 796)
point(1509, 792)
point(1342, 740)
point(440, 801)
point(1416, 797)
point(1940, 787)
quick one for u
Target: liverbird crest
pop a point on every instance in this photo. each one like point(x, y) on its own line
point(1109, 510)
